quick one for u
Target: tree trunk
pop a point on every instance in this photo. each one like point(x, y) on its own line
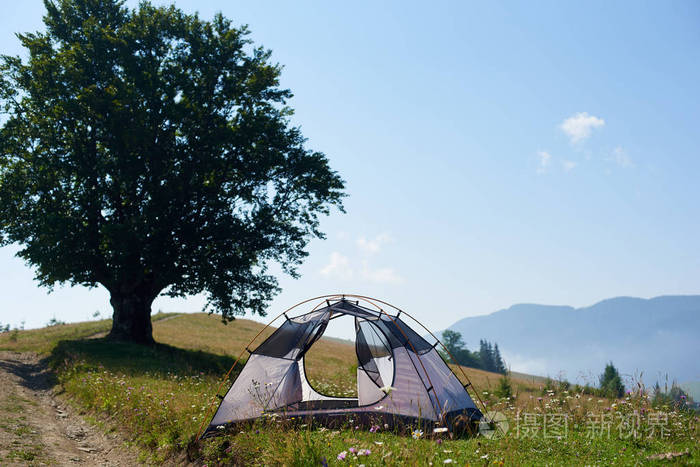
point(131, 321)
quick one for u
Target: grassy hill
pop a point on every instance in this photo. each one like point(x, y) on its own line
point(158, 396)
point(330, 362)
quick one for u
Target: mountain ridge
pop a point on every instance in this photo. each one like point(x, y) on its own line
point(648, 337)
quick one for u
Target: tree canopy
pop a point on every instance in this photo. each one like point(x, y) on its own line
point(151, 151)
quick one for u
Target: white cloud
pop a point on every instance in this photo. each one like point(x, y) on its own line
point(338, 266)
point(578, 127)
point(373, 246)
point(344, 267)
point(620, 157)
point(569, 165)
point(545, 159)
point(380, 275)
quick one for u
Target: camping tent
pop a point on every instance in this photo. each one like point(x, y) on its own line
point(401, 377)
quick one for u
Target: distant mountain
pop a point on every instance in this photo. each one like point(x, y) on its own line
point(658, 336)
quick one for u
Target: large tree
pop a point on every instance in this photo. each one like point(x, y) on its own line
point(151, 152)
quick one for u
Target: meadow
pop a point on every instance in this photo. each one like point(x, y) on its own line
point(157, 398)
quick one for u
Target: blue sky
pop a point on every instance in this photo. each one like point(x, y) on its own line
point(494, 153)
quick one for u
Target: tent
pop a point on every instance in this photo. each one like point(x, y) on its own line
point(401, 377)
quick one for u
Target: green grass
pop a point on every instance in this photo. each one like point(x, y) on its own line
point(158, 396)
point(23, 454)
point(43, 340)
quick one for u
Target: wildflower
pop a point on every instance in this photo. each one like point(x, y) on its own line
point(324, 462)
point(342, 455)
point(447, 461)
point(374, 429)
point(417, 434)
point(539, 399)
point(352, 450)
point(439, 441)
point(364, 452)
point(485, 456)
point(439, 430)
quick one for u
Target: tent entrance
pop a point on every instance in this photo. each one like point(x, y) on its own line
point(357, 382)
point(330, 365)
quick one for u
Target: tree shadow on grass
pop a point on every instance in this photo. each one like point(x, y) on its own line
point(134, 359)
point(33, 374)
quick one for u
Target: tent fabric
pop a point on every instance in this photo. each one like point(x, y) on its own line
point(253, 389)
point(400, 376)
point(294, 336)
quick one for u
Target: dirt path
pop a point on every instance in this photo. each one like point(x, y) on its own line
point(36, 427)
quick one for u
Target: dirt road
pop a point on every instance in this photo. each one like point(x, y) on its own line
point(36, 427)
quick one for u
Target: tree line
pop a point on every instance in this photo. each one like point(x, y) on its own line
point(488, 357)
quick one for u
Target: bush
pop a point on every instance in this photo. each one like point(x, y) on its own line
point(505, 388)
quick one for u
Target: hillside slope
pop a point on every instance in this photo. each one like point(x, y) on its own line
point(330, 364)
point(658, 337)
point(157, 397)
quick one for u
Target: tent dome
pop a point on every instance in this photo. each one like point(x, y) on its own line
point(401, 377)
